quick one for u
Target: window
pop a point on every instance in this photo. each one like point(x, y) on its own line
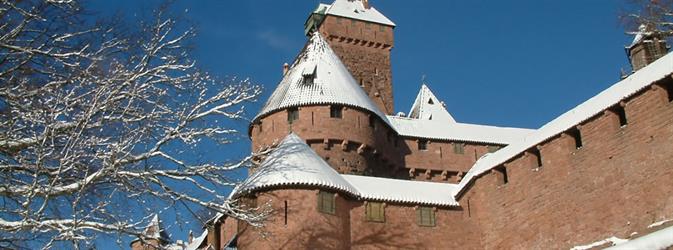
point(372, 121)
point(335, 111)
point(459, 148)
point(492, 149)
point(502, 172)
point(381, 28)
point(538, 156)
point(430, 101)
point(577, 136)
point(259, 126)
point(422, 144)
point(619, 111)
point(668, 86)
point(353, 22)
point(292, 115)
point(308, 79)
point(326, 202)
point(285, 212)
point(376, 212)
point(425, 216)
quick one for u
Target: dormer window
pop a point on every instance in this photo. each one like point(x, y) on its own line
point(308, 74)
point(430, 101)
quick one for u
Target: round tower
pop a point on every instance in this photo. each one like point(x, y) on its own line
point(320, 101)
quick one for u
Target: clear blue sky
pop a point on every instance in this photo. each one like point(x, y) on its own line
point(507, 63)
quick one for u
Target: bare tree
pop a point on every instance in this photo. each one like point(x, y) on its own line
point(98, 121)
point(657, 14)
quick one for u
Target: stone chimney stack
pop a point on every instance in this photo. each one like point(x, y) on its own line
point(366, 4)
point(286, 67)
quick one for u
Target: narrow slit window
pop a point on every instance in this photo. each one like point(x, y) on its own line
point(336, 111)
point(372, 121)
point(669, 90)
point(326, 202)
point(375, 212)
point(422, 144)
point(502, 172)
point(538, 157)
point(459, 148)
point(621, 112)
point(292, 115)
point(577, 136)
point(285, 212)
point(425, 216)
point(259, 126)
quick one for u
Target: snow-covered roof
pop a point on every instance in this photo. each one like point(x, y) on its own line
point(355, 9)
point(663, 67)
point(196, 242)
point(295, 163)
point(428, 107)
point(403, 191)
point(333, 83)
point(662, 239)
point(434, 129)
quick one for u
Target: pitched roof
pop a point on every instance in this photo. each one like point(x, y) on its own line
point(659, 69)
point(403, 191)
point(295, 163)
point(428, 107)
point(433, 129)
point(355, 9)
point(333, 83)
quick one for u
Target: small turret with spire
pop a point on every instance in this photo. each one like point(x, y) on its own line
point(648, 45)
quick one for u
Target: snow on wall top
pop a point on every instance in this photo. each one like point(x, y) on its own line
point(434, 129)
point(428, 107)
point(332, 83)
point(295, 163)
point(659, 69)
point(403, 191)
point(661, 239)
point(355, 9)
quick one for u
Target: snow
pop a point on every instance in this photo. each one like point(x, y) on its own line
point(333, 83)
point(433, 129)
point(642, 32)
point(613, 240)
point(295, 163)
point(403, 191)
point(428, 107)
point(661, 239)
point(355, 9)
point(659, 223)
point(196, 242)
point(637, 81)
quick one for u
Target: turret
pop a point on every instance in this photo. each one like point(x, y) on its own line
point(647, 46)
point(154, 237)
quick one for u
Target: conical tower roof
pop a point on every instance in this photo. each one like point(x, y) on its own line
point(428, 107)
point(318, 77)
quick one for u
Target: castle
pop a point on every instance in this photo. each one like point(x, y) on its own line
point(347, 173)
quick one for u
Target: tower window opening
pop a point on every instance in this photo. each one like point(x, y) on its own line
point(326, 202)
point(577, 136)
point(621, 113)
point(335, 111)
point(425, 216)
point(292, 115)
point(285, 212)
point(423, 145)
point(308, 79)
point(502, 171)
point(430, 101)
point(372, 121)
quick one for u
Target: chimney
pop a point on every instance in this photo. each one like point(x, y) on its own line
point(366, 4)
point(648, 45)
point(286, 67)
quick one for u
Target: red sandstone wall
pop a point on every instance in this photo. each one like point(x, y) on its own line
point(306, 227)
point(365, 50)
point(618, 183)
point(379, 156)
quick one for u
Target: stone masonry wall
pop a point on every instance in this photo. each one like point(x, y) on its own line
point(617, 183)
point(365, 50)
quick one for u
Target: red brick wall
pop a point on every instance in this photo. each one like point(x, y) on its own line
point(618, 183)
point(365, 50)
